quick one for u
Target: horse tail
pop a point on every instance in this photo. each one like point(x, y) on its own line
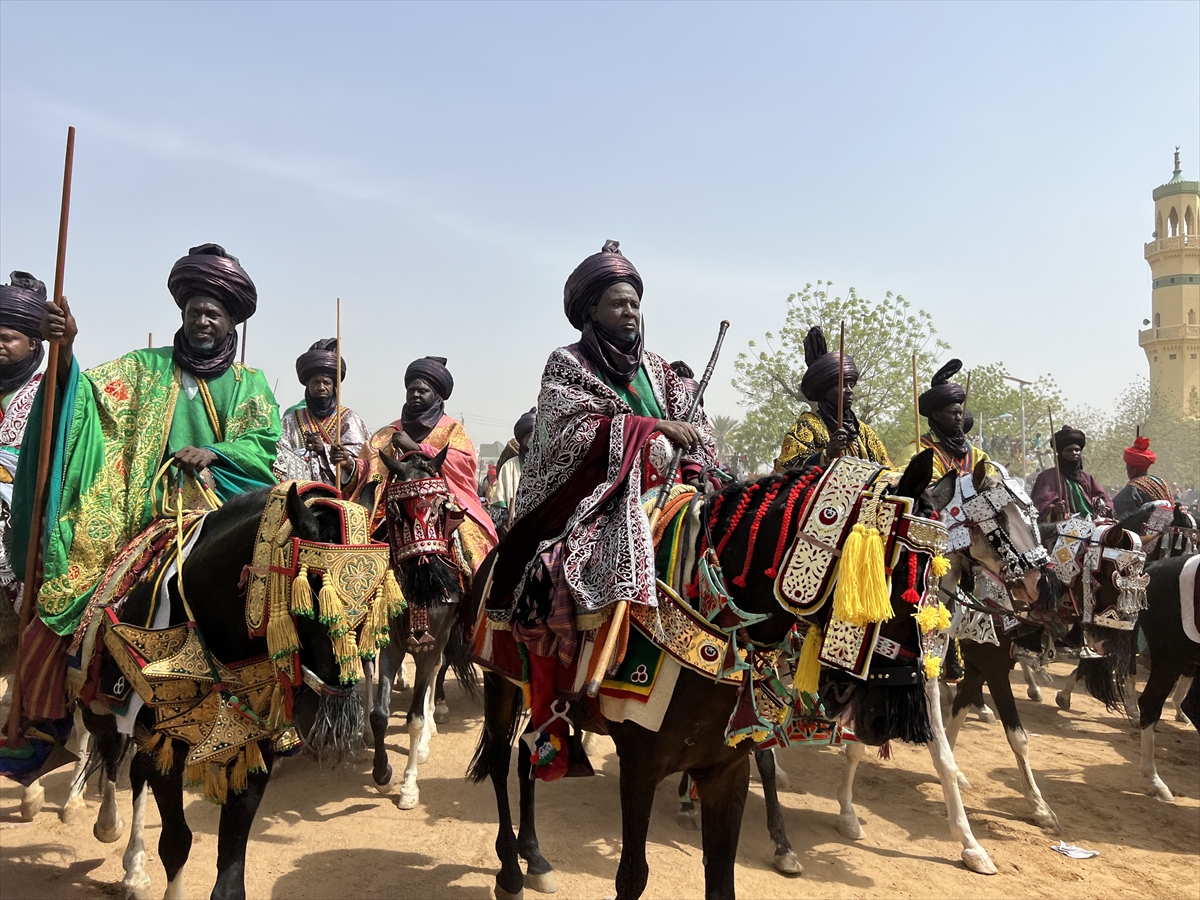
point(503, 704)
point(1104, 678)
point(111, 750)
point(459, 656)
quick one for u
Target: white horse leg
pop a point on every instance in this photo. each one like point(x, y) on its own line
point(175, 886)
point(137, 881)
point(1043, 815)
point(32, 799)
point(848, 826)
point(1032, 690)
point(1156, 787)
point(402, 680)
point(109, 824)
point(1181, 689)
point(973, 855)
point(418, 750)
point(952, 729)
point(75, 805)
point(1063, 698)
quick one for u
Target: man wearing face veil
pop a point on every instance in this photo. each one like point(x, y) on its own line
point(308, 448)
point(424, 427)
point(825, 432)
point(120, 421)
point(949, 422)
point(21, 355)
point(1067, 490)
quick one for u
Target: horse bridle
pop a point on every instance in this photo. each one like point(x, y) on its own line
point(1127, 577)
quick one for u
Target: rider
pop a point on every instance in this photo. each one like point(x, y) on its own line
point(1083, 494)
point(423, 427)
point(824, 433)
point(504, 492)
point(21, 354)
point(1142, 487)
point(119, 422)
point(308, 448)
point(942, 406)
point(609, 416)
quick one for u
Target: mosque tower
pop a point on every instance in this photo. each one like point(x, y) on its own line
point(1172, 340)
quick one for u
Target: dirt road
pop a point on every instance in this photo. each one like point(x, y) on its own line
point(328, 834)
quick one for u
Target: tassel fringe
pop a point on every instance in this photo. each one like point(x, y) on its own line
point(808, 667)
point(861, 595)
point(302, 598)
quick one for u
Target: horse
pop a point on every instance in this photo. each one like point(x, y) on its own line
point(692, 736)
point(416, 501)
point(325, 712)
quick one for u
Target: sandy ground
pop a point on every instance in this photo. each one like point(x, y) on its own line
point(328, 834)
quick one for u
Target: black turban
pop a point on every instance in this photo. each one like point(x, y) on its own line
point(823, 366)
point(319, 359)
point(1066, 436)
point(22, 303)
point(593, 277)
point(431, 369)
point(942, 392)
point(525, 425)
point(208, 271)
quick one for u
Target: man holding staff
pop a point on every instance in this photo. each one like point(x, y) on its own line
point(115, 427)
point(1066, 490)
point(610, 415)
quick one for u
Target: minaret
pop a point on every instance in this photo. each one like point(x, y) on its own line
point(1172, 342)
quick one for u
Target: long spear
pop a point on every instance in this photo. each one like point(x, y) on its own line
point(1062, 485)
point(33, 560)
point(842, 375)
point(337, 386)
point(244, 325)
point(600, 666)
point(916, 404)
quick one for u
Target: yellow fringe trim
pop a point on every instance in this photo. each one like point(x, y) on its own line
point(254, 758)
point(808, 667)
point(396, 603)
point(861, 595)
point(940, 565)
point(333, 612)
point(302, 598)
point(237, 775)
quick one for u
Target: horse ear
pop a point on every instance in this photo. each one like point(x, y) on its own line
point(440, 460)
point(917, 475)
point(979, 475)
point(942, 493)
point(391, 465)
point(1114, 537)
point(304, 522)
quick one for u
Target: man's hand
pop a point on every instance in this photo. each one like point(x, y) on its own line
point(402, 443)
point(59, 324)
point(338, 454)
point(313, 442)
point(193, 459)
point(681, 434)
point(837, 443)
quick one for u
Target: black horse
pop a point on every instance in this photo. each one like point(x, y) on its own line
point(323, 712)
point(692, 735)
point(434, 584)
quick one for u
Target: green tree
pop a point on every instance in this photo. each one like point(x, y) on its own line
point(723, 428)
point(882, 336)
point(996, 405)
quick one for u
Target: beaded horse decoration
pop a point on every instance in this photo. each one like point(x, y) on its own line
point(1081, 548)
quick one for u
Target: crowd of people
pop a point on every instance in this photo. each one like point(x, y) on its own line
point(566, 497)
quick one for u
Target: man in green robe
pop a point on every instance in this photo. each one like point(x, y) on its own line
point(117, 424)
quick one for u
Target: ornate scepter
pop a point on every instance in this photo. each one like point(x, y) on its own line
point(33, 555)
point(600, 666)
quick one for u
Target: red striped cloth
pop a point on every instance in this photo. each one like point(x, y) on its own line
point(43, 662)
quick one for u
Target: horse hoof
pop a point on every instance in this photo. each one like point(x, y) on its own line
point(782, 782)
point(786, 863)
point(108, 834)
point(1180, 716)
point(979, 862)
point(1160, 791)
point(848, 826)
point(31, 801)
point(72, 811)
point(387, 785)
point(502, 894)
point(986, 716)
point(1034, 693)
point(1063, 700)
point(409, 799)
point(544, 883)
point(441, 714)
point(1047, 821)
point(136, 888)
point(688, 818)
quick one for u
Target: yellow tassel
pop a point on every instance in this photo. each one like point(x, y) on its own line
point(368, 648)
point(193, 775)
point(345, 648)
point(282, 639)
point(808, 667)
point(933, 666)
point(275, 716)
point(215, 784)
point(222, 784)
point(302, 599)
point(934, 617)
point(861, 595)
point(237, 775)
point(940, 565)
point(333, 613)
point(166, 756)
point(395, 597)
point(254, 758)
point(148, 742)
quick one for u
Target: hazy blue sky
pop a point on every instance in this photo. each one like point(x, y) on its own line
point(443, 168)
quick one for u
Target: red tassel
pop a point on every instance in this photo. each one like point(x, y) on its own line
point(911, 596)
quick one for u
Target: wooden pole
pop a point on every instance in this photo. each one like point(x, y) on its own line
point(149, 340)
point(337, 386)
point(244, 324)
point(1062, 484)
point(841, 376)
point(916, 405)
point(33, 554)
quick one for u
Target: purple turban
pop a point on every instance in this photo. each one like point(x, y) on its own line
point(525, 425)
point(208, 271)
point(320, 359)
point(942, 391)
point(593, 277)
point(1066, 436)
point(22, 304)
point(431, 369)
point(823, 366)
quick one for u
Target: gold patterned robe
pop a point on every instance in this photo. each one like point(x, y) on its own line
point(810, 435)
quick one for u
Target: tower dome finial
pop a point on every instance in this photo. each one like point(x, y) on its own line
point(1178, 168)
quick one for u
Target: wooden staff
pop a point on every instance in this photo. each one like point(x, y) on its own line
point(842, 377)
point(966, 392)
point(599, 667)
point(916, 403)
point(33, 554)
point(149, 340)
point(337, 387)
point(1062, 484)
point(244, 324)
